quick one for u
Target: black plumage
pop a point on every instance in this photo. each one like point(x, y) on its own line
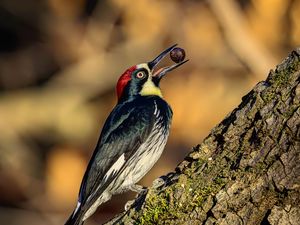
point(132, 139)
point(128, 126)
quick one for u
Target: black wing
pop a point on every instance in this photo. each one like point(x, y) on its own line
point(127, 127)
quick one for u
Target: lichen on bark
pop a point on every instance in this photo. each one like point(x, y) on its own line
point(247, 171)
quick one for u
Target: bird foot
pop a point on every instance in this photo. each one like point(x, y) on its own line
point(141, 193)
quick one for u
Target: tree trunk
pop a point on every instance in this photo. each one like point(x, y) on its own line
point(247, 171)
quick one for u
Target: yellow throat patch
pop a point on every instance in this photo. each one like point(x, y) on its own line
point(150, 88)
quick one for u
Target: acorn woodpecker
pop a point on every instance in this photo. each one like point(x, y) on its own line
point(132, 139)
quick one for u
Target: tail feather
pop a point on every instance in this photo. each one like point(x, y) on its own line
point(75, 218)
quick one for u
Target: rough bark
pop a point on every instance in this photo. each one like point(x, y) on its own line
point(247, 171)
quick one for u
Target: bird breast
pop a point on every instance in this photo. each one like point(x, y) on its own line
point(148, 153)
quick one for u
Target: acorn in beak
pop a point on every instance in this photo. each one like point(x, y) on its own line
point(164, 70)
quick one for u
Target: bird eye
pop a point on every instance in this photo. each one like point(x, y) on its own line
point(140, 75)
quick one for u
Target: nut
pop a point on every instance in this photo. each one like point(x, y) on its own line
point(177, 55)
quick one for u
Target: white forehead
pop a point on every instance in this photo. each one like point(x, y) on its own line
point(143, 65)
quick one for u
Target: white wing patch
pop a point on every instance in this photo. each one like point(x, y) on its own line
point(115, 167)
point(105, 196)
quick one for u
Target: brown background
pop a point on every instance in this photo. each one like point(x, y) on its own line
point(59, 62)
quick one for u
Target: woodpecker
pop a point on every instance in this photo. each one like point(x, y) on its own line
point(132, 139)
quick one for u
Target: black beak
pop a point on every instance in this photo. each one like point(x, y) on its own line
point(162, 71)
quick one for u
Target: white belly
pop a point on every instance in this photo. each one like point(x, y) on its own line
point(143, 160)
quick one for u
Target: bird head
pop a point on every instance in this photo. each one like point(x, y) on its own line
point(142, 80)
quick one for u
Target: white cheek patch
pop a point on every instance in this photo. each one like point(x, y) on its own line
point(144, 66)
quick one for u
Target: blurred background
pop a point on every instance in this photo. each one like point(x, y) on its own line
point(59, 63)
